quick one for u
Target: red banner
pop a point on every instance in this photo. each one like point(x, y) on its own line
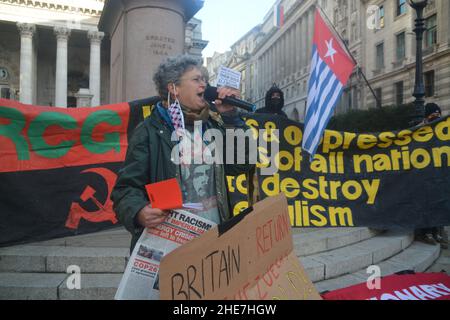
point(36, 137)
point(419, 286)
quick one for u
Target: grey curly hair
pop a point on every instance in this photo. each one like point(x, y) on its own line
point(172, 69)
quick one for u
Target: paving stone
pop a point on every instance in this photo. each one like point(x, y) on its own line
point(416, 257)
point(30, 286)
point(419, 255)
point(408, 240)
point(93, 287)
point(306, 230)
point(326, 239)
point(314, 269)
point(382, 247)
point(24, 258)
point(309, 244)
point(386, 268)
point(91, 260)
point(345, 260)
point(367, 233)
point(338, 283)
point(347, 237)
point(115, 238)
point(440, 265)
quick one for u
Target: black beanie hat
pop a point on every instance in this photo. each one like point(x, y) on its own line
point(431, 108)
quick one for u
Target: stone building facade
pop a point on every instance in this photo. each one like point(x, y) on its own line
point(52, 53)
point(50, 50)
point(282, 55)
point(390, 53)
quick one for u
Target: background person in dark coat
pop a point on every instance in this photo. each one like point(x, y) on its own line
point(436, 234)
point(274, 102)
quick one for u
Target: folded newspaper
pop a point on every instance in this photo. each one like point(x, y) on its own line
point(140, 280)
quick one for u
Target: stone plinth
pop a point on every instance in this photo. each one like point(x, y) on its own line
point(84, 98)
point(142, 33)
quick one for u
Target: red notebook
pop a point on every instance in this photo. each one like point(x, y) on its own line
point(165, 195)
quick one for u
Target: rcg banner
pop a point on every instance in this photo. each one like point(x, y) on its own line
point(58, 167)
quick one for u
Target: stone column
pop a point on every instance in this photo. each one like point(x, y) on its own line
point(266, 70)
point(95, 38)
point(62, 37)
point(310, 33)
point(142, 34)
point(276, 53)
point(26, 61)
point(304, 32)
point(291, 50)
point(298, 47)
point(259, 75)
point(287, 49)
point(284, 54)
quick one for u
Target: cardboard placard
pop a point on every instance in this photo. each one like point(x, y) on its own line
point(228, 77)
point(248, 258)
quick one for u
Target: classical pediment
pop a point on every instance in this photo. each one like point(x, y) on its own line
point(93, 7)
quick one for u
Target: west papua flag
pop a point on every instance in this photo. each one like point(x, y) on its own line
point(331, 68)
point(278, 15)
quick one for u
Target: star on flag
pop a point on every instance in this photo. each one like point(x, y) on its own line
point(331, 52)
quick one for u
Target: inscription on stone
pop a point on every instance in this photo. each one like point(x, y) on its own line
point(160, 45)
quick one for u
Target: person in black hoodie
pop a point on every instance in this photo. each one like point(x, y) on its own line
point(274, 102)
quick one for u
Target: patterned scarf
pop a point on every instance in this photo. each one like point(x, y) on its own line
point(176, 115)
point(180, 115)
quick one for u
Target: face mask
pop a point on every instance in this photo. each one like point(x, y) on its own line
point(275, 102)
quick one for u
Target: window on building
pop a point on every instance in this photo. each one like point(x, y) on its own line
point(349, 99)
point(379, 94)
point(399, 93)
point(71, 102)
point(5, 93)
point(381, 16)
point(354, 32)
point(429, 83)
point(379, 64)
point(335, 16)
point(431, 31)
point(355, 98)
point(295, 115)
point(400, 39)
point(401, 7)
point(353, 6)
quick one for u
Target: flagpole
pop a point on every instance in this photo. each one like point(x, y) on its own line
point(358, 68)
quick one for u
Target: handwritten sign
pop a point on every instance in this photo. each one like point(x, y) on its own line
point(228, 77)
point(248, 258)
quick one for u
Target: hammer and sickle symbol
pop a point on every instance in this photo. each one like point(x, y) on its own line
point(105, 211)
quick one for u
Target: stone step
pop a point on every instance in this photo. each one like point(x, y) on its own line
point(418, 257)
point(31, 258)
point(30, 286)
point(93, 287)
point(113, 238)
point(39, 271)
point(324, 239)
point(53, 286)
point(56, 255)
point(337, 262)
point(442, 264)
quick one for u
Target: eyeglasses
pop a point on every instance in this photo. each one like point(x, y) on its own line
point(198, 80)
